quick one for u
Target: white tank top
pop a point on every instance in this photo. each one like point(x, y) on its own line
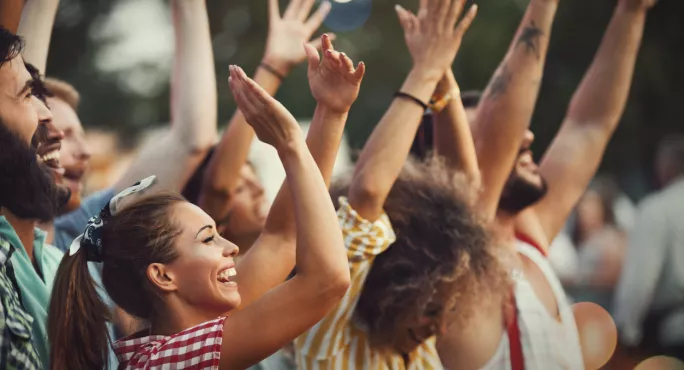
point(547, 343)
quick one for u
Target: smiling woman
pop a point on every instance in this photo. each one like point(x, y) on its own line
point(164, 261)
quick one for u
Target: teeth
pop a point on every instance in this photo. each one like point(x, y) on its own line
point(53, 155)
point(225, 275)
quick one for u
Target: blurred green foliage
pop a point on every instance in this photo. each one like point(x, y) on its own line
point(239, 30)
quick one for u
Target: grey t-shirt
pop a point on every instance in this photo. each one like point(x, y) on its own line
point(69, 226)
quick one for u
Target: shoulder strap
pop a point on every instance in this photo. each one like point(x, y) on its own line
point(513, 331)
point(526, 239)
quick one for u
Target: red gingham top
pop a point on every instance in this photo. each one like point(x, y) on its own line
point(196, 348)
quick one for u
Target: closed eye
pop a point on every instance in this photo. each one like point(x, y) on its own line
point(208, 239)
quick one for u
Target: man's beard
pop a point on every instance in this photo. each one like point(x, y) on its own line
point(519, 194)
point(26, 186)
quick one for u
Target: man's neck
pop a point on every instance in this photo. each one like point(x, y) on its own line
point(49, 228)
point(24, 229)
point(505, 226)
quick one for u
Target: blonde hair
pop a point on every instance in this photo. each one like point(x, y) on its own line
point(63, 91)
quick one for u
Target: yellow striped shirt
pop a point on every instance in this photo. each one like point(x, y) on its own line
point(335, 342)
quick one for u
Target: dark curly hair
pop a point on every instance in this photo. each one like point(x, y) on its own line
point(441, 244)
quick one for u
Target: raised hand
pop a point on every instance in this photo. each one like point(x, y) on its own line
point(334, 81)
point(288, 32)
point(432, 37)
point(271, 121)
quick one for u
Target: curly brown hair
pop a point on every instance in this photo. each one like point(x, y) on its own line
point(441, 244)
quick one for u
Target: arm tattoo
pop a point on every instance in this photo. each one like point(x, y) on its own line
point(530, 38)
point(500, 83)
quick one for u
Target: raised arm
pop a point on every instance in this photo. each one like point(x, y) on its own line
point(285, 312)
point(10, 13)
point(175, 156)
point(286, 35)
point(508, 102)
point(335, 84)
point(452, 137)
point(595, 110)
point(433, 40)
point(37, 20)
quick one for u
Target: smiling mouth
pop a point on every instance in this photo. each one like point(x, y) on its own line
point(51, 160)
point(226, 277)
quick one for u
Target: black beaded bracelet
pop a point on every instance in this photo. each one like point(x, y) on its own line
point(272, 71)
point(400, 94)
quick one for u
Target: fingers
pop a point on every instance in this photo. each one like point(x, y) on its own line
point(304, 10)
point(455, 12)
point(422, 9)
point(273, 10)
point(333, 57)
point(321, 43)
point(252, 90)
point(292, 9)
point(467, 20)
point(407, 20)
point(248, 99)
point(318, 17)
point(360, 71)
point(312, 56)
point(346, 62)
point(439, 10)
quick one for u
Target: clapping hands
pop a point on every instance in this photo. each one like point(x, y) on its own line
point(271, 121)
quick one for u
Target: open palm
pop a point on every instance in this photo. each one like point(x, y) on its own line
point(286, 33)
point(334, 81)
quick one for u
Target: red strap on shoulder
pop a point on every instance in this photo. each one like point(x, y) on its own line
point(526, 239)
point(513, 332)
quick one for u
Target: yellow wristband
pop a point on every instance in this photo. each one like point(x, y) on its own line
point(438, 104)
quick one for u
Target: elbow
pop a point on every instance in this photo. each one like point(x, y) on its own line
point(202, 144)
point(364, 190)
point(336, 287)
point(195, 144)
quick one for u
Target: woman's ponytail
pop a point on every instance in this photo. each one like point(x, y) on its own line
point(77, 318)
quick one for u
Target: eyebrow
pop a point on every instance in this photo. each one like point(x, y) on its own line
point(27, 86)
point(203, 228)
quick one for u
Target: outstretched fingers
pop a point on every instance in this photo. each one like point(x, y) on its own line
point(317, 18)
point(273, 11)
point(292, 9)
point(467, 20)
point(304, 10)
point(455, 12)
point(406, 19)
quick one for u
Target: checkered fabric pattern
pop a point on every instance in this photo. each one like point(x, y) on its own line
point(547, 344)
point(196, 348)
point(16, 347)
